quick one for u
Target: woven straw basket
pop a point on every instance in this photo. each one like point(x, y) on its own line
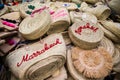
point(60, 21)
point(39, 60)
point(109, 34)
point(4, 10)
point(85, 38)
point(101, 11)
point(96, 63)
point(112, 27)
point(74, 73)
point(16, 17)
point(15, 8)
point(68, 6)
point(91, 1)
point(34, 27)
point(108, 45)
point(114, 5)
point(25, 7)
point(59, 75)
point(78, 16)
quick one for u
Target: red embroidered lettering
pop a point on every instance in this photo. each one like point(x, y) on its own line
point(46, 47)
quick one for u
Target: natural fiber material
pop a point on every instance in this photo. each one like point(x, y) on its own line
point(60, 21)
point(4, 10)
point(42, 58)
point(68, 6)
point(85, 35)
point(34, 27)
point(59, 75)
point(66, 37)
point(116, 56)
point(15, 8)
point(101, 11)
point(108, 45)
point(114, 5)
point(91, 1)
point(96, 63)
point(109, 34)
point(11, 16)
point(112, 27)
point(78, 16)
point(24, 8)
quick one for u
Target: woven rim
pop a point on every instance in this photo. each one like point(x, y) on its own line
point(109, 34)
point(42, 65)
point(95, 63)
point(4, 10)
point(112, 27)
point(87, 17)
point(60, 74)
point(60, 21)
point(24, 8)
point(71, 68)
point(116, 55)
point(33, 27)
point(86, 38)
point(108, 45)
point(101, 11)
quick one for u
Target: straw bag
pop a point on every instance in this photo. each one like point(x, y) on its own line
point(85, 35)
point(114, 5)
point(109, 34)
point(100, 10)
point(74, 73)
point(27, 8)
point(34, 27)
point(59, 75)
point(4, 10)
point(60, 21)
point(91, 1)
point(116, 56)
point(96, 63)
point(113, 27)
point(42, 58)
point(108, 45)
point(68, 6)
point(10, 21)
point(78, 16)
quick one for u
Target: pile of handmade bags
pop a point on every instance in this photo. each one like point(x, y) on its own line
point(67, 40)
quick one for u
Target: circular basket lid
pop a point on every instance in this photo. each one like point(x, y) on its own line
point(27, 8)
point(85, 35)
point(96, 63)
point(34, 27)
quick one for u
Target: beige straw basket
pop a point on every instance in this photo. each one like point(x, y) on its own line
point(11, 16)
point(4, 10)
point(25, 7)
point(34, 27)
point(85, 37)
point(95, 63)
point(109, 34)
point(38, 60)
point(78, 16)
point(101, 11)
point(108, 45)
point(113, 27)
point(60, 21)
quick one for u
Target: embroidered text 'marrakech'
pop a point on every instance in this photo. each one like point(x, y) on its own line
point(28, 57)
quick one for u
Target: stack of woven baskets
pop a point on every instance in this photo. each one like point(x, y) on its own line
point(37, 38)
